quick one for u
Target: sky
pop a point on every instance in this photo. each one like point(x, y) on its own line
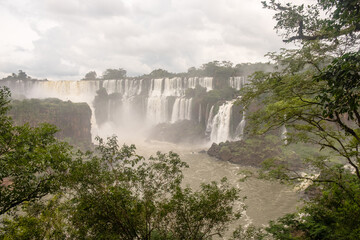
point(65, 39)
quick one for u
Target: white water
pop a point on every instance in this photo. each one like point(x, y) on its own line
point(206, 82)
point(240, 128)
point(237, 82)
point(181, 110)
point(220, 126)
point(155, 107)
point(284, 134)
point(266, 200)
point(199, 113)
point(209, 121)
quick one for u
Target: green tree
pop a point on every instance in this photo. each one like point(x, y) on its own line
point(219, 70)
point(33, 163)
point(160, 73)
point(20, 76)
point(315, 93)
point(116, 194)
point(112, 193)
point(120, 195)
point(90, 76)
point(114, 74)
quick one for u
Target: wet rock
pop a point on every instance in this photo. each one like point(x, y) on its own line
point(247, 153)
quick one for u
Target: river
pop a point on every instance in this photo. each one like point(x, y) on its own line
point(266, 200)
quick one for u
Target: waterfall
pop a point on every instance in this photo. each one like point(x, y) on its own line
point(138, 102)
point(157, 110)
point(200, 113)
point(240, 128)
point(209, 121)
point(284, 134)
point(237, 82)
point(156, 87)
point(112, 86)
point(173, 87)
point(206, 82)
point(220, 127)
point(181, 110)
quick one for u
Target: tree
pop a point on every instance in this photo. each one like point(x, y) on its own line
point(120, 195)
point(160, 73)
point(108, 194)
point(90, 76)
point(219, 70)
point(315, 93)
point(33, 163)
point(116, 194)
point(20, 76)
point(114, 74)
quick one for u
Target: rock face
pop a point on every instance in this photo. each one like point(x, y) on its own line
point(248, 153)
point(72, 119)
point(184, 131)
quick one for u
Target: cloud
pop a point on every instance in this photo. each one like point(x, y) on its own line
point(65, 39)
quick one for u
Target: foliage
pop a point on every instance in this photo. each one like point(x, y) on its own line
point(90, 76)
point(20, 76)
point(42, 220)
point(160, 73)
point(200, 95)
point(332, 215)
point(340, 94)
point(251, 151)
point(112, 193)
point(116, 194)
point(114, 74)
point(73, 119)
point(315, 94)
point(249, 233)
point(222, 71)
point(120, 194)
point(33, 163)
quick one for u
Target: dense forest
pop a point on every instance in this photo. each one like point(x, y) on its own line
point(51, 190)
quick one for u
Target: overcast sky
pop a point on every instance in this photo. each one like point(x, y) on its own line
point(64, 39)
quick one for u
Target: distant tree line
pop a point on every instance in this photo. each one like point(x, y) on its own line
point(20, 76)
point(216, 69)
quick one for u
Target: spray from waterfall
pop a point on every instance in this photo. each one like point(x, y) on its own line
point(135, 104)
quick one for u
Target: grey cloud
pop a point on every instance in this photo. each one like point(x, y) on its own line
point(88, 8)
point(142, 35)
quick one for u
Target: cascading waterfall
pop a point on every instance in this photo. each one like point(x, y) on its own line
point(200, 113)
point(206, 82)
point(240, 128)
point(220, 127)
point(157, 110)
point(181, 109)
point(284, 134)
point(157, 104)
point(209, 122)
point(158, 100)
point(237, 82)
point(173, 87)
point(76, 91)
